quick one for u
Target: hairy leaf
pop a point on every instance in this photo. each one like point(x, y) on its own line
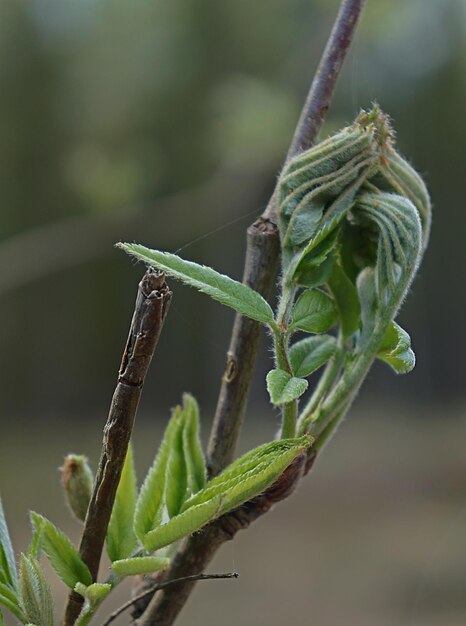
point(242, 480)
point(121, 539)
point(346, 299)
point(309, 354)
point(176, 482)
point(7, 556)
point(396, 350)
point(283, 387)
point(36, 597)
point(9, 599)
point(194, 458)
point(63, 556)
point(140, 565)
point(314, 312)
point(93, 595)
point(151, 500)
point(229, 292)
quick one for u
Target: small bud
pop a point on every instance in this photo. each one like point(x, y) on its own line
point(77, 480)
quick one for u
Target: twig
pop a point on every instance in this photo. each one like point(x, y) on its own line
point(150, 310)
point(260, 270)
point(323, 85)
point(162, 585)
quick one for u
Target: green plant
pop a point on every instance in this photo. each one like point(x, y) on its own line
point(354, 222)
point(353, 219)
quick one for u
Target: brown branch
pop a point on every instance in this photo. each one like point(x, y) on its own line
point(323, 85)
point(261, 261)
point(150, 310)
point(162, 585)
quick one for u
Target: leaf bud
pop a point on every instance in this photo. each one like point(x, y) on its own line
point(77, 480)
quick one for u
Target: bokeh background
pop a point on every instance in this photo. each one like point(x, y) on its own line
point(166, 123)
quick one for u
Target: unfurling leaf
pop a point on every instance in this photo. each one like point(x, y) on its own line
point(307, 355)
point(63, 556)
point(396, 350)
point(93, 595)
point(283, 387)
point(121, 539)
point(396, 222)
point(36, 598)
point(151, 500)
point(346, 300)
point(225, 290)
point(140, 565)
point(241, 481)
point(176, 480)
point(396, 174)
point(78, 481)
point(195, 463)
point(8, 573)
point(314, 312)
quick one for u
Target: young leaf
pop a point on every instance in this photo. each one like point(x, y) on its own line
point(241, 481)
point(229, 292)
point(93, 595)
point(151, 500)
point(307, 355)
point(176, 481)
point(63, 556)
point(121, 539)
point(182, 525)
point(396, 350)
point(140, 565)
point(195, 463)
point(35, 547)
point(7, 556)
point(284, 388)
point(314, 312)
point(346, 300)
point(2, 622)
point(9, 600)
point(36, 597)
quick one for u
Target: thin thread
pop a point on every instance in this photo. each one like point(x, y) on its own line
point(219, 229)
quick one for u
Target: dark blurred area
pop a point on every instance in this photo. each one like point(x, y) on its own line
point(166, 123)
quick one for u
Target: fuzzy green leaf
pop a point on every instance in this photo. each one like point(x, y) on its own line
point(35, 546)
point(314, 312)
point(244, 479)
point(225, 290)
point(396, 350)
point(307, 355)
point(194, 458)
point(346, 300)
point(121, 539)
point(284, 388)
point(7, 556)
point(94, 593)
point(140, 565)
point(36, 597)
point(314, 274)
point(367, 297)
point(9, 599)
point(150, 503)
point(176, 481)
point(63, 556)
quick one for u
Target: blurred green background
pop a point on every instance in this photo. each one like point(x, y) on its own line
point(166, 123)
